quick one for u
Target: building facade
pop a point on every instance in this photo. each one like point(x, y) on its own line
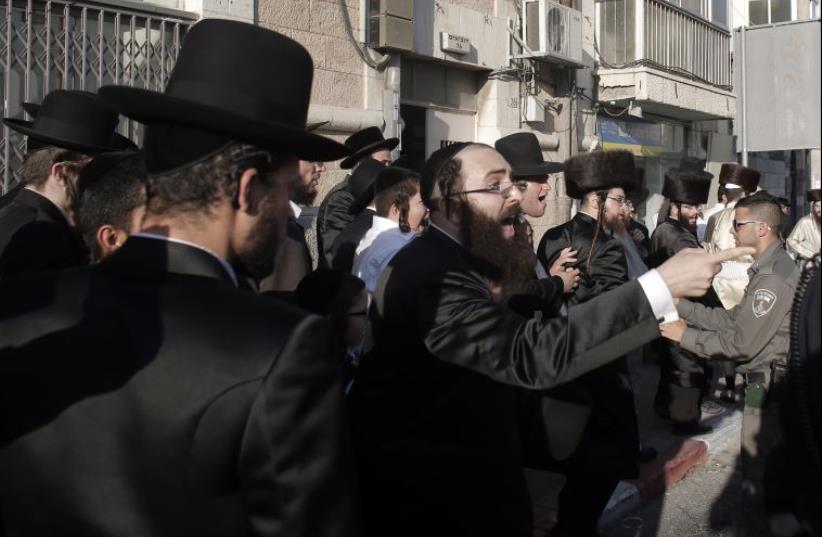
point(651, 76)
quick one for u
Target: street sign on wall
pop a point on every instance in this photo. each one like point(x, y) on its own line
point(781, 103)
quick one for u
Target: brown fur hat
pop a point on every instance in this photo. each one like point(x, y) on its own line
point(814, 194)
point(599, 171)
point(737, 174)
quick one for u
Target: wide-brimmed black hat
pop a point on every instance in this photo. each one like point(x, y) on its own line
point(734, 175)
point(218, 87)
point(363, 143)
point(600, 170)
point(523, 153)
point(814, 194)
point(76, 120)
point(362, 183)
point(687, 186)
point(119, 142)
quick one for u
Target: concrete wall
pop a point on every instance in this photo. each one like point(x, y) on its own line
point(344, 83)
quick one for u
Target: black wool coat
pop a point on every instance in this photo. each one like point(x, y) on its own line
point(434, 404)
point(684, 369)
point(35, 235)
point(611, 435)
point(292, 261)
point(148, 396)
point(332, 218)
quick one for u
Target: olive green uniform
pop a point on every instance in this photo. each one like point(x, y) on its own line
point(756, 335)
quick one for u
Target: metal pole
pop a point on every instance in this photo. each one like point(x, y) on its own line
point(743, 75)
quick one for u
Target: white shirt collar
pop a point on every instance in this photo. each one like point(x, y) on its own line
point(380, 224)
point(296, 209)
point(228, 268)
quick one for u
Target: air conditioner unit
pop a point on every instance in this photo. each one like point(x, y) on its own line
point(551, 32)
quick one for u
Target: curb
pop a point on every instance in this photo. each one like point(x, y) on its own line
point(667, 470)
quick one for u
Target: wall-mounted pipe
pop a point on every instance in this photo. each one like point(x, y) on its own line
point(345, 119)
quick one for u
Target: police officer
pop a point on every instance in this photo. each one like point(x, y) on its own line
point(756, 335)
point(683, 379)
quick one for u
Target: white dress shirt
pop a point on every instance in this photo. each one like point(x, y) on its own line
point(377, 248)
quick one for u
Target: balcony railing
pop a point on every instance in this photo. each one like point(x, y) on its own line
point(664, 36)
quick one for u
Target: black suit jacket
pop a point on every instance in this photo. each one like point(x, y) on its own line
point(345, 246)
point(292, 261)
point(434, 410)
point(611, 434)
point(332, 218)
point(35, 235)
point(668, 238)
point(148, 396)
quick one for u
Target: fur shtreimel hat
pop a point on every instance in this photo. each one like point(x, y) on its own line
point(814, 194)
point(734, 175)
point(687, 186)
point(599, 171)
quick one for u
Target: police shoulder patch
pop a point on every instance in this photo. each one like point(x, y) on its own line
point(763, 301)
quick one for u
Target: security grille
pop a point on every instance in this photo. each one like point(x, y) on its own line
point(48, 45)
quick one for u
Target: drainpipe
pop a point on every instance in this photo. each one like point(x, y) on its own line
point(391, 106)
point(744, 76)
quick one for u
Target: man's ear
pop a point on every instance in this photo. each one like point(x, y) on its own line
point(110, 238)
point(246, 198)
point(58, 169)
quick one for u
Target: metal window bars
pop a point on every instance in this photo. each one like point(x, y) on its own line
point(662, 35)
point(48, 45)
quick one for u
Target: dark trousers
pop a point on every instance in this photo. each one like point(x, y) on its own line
point(586, 492)
point(761, 435)
point(683, 383)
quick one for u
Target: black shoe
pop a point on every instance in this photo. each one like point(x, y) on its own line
point(728, 396)
point(690, 429)
point(646, 454)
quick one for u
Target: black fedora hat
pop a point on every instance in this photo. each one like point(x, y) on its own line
point(76, 120)
point(363, 143)
point(362, 183)
point(687, 186)
point(217, 86)
point(523, 153)
point(119, 142)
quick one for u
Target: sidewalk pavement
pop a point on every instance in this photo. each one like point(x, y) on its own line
point(677, 456)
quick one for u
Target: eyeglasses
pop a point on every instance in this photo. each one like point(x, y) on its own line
point(620, 200)
point(737, 224)
point(504, 191)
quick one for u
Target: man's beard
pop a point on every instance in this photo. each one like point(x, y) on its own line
point(257, 258)
point(506, 262)
point(304, 195)
point(687, 224)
